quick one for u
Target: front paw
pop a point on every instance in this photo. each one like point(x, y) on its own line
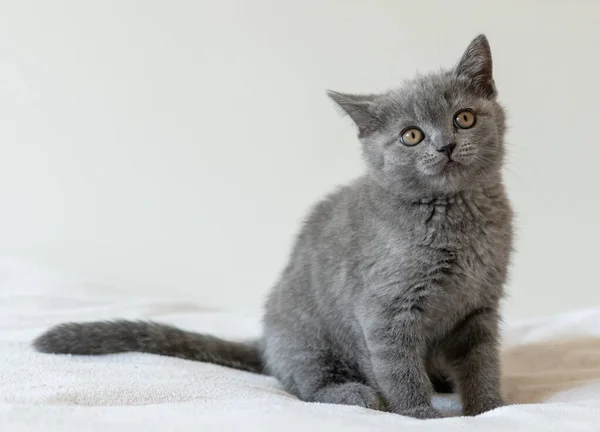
point(422, 412)
point(481, 406)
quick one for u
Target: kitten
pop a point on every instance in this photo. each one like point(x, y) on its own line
point(395, 280)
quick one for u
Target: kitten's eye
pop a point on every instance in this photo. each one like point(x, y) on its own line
point(465, 119)
point(411, 136)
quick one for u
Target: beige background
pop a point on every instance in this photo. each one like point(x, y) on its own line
point(173, 147)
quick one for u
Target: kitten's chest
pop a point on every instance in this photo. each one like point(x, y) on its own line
point(464, 247)
point(452, 257)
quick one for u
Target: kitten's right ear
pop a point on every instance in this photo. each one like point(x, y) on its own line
point(360, 108)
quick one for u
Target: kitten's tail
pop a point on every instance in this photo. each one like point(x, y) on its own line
point(107, 337)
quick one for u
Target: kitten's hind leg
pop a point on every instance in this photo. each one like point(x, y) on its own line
point(313, 372)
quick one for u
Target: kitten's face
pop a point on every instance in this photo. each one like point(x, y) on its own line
point(437, 135)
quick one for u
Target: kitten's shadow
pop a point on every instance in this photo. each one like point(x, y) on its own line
point(534, 372)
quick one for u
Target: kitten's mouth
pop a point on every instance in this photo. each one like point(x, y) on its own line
point(450, 165)
point(451, 169)
point(445, 169)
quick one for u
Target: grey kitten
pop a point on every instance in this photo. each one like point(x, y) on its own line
point(395, 280)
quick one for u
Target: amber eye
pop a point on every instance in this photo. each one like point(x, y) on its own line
point(465, 119)
point(411, 136)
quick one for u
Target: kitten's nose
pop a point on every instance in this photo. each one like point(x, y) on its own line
point(448, 149)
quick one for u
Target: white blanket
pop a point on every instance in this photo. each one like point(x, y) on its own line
point(551, 373)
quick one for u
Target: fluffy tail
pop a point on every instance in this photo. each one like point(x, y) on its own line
point(107, 337)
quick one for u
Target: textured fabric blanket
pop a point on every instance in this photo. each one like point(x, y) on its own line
point(551, 373)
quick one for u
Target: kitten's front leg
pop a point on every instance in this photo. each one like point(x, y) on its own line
point(473, 352)
point(396, 348)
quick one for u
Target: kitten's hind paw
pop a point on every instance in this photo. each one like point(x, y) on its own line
point(422, 412)
point(351, 394)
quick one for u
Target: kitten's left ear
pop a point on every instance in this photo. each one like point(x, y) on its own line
point(476, 65)
point(360, 108)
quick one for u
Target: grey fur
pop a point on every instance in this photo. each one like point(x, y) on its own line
point(395, 280)
point(109, 337)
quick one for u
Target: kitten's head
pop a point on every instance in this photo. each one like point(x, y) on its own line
point(439, 134)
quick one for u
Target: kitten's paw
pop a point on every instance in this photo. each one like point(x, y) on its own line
point(481, 406)
point(351, 394)
point(422, 412)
